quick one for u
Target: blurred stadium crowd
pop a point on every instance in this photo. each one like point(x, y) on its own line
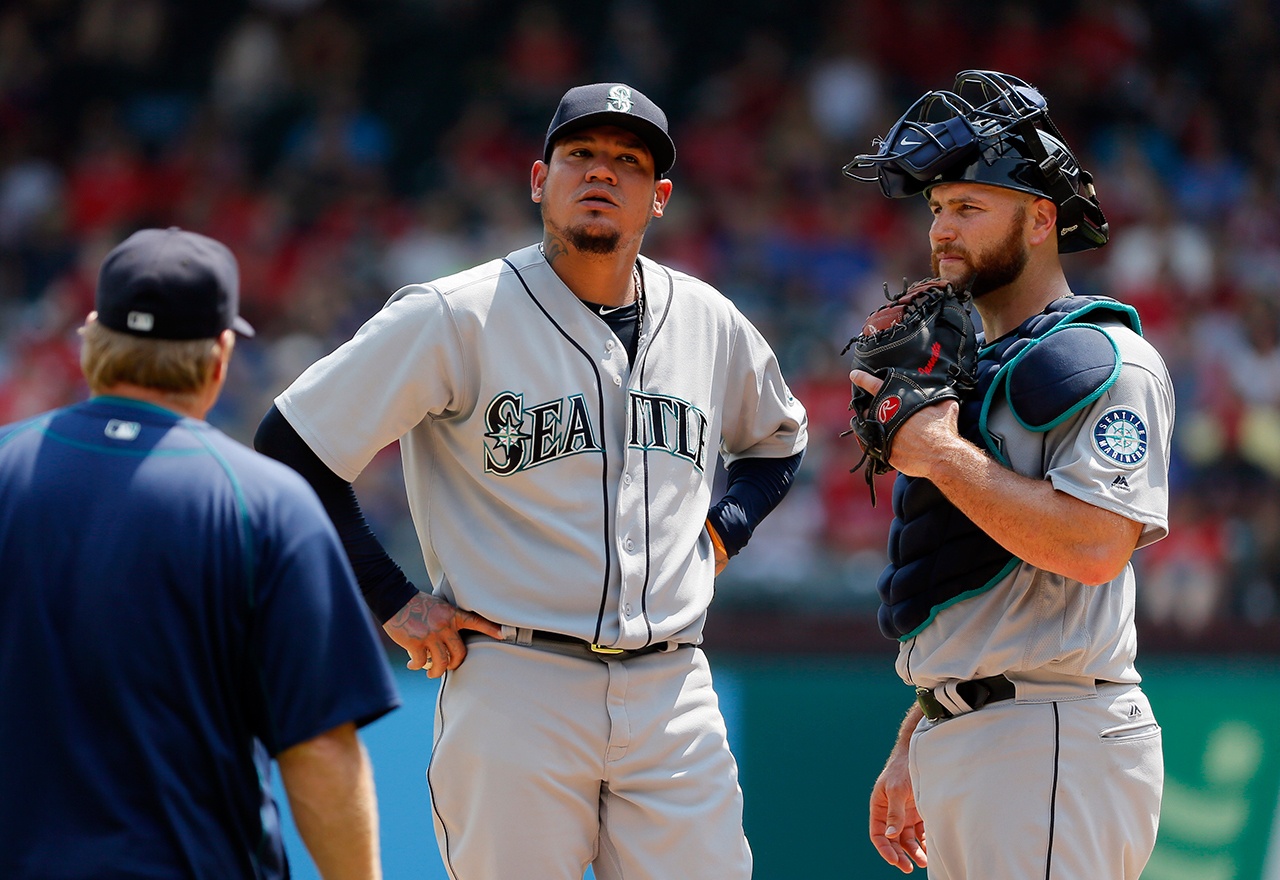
point(344, 148)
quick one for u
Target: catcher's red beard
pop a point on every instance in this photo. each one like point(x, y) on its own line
point(960, 274)
point(959, 253)
point(993, 269)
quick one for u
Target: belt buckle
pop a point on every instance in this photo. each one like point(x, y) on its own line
point(603, 649)
point(933, 710)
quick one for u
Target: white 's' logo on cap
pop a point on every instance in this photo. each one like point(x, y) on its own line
point(143, 322)
point(620, 99)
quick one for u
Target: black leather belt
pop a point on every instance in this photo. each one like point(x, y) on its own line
point(977, 693)
point(576, 647)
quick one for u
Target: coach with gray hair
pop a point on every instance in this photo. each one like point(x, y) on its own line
point(176, 612)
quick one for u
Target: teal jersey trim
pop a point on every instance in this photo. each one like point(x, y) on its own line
point(1078, 405)
point(124, 453)
point(36, 423)
point(246, 526)
point(1003, 573)
point(135, 403)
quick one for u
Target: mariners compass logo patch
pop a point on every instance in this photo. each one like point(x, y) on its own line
point(1121, 436)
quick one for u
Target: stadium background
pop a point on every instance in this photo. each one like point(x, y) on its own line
point(346, 148)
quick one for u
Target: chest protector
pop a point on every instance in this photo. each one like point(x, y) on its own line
point(1049, 368)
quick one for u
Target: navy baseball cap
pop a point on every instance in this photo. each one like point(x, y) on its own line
point(170, 284)
point(614, 104)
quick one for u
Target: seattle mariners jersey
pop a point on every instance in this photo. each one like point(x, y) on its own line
point(538, 462)
point(176, 609)
point(1112, 454)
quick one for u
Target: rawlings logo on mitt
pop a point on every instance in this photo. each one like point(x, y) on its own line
point(922, 345)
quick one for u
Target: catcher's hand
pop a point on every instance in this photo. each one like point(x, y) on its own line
point(922, 345)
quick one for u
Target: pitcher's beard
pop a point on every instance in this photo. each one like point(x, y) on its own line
point(585, 239)
point(589, 242)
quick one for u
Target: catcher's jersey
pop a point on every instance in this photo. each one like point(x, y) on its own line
point(553, 485)
point(1114, 455)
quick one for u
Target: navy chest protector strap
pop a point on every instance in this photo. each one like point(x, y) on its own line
point(1051, 367)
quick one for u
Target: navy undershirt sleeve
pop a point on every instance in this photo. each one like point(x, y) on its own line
point(755, 487)
point(384, 584)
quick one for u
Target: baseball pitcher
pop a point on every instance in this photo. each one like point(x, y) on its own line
point(559, 413)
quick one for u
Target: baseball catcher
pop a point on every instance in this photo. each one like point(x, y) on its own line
point(1009, 584)
point(922, 344)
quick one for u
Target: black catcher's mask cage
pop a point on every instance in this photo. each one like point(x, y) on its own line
point(991, 128)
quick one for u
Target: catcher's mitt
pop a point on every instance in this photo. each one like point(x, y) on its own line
point(923, 346)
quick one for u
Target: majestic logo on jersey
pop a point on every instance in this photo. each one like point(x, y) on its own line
point(1121, 436)
point(520, 438)
point(667, 423)
point(619, 99)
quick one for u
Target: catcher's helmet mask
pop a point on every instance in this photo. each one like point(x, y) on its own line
point(991, 128)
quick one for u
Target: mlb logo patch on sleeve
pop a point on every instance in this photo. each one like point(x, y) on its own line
point(1121, 436)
